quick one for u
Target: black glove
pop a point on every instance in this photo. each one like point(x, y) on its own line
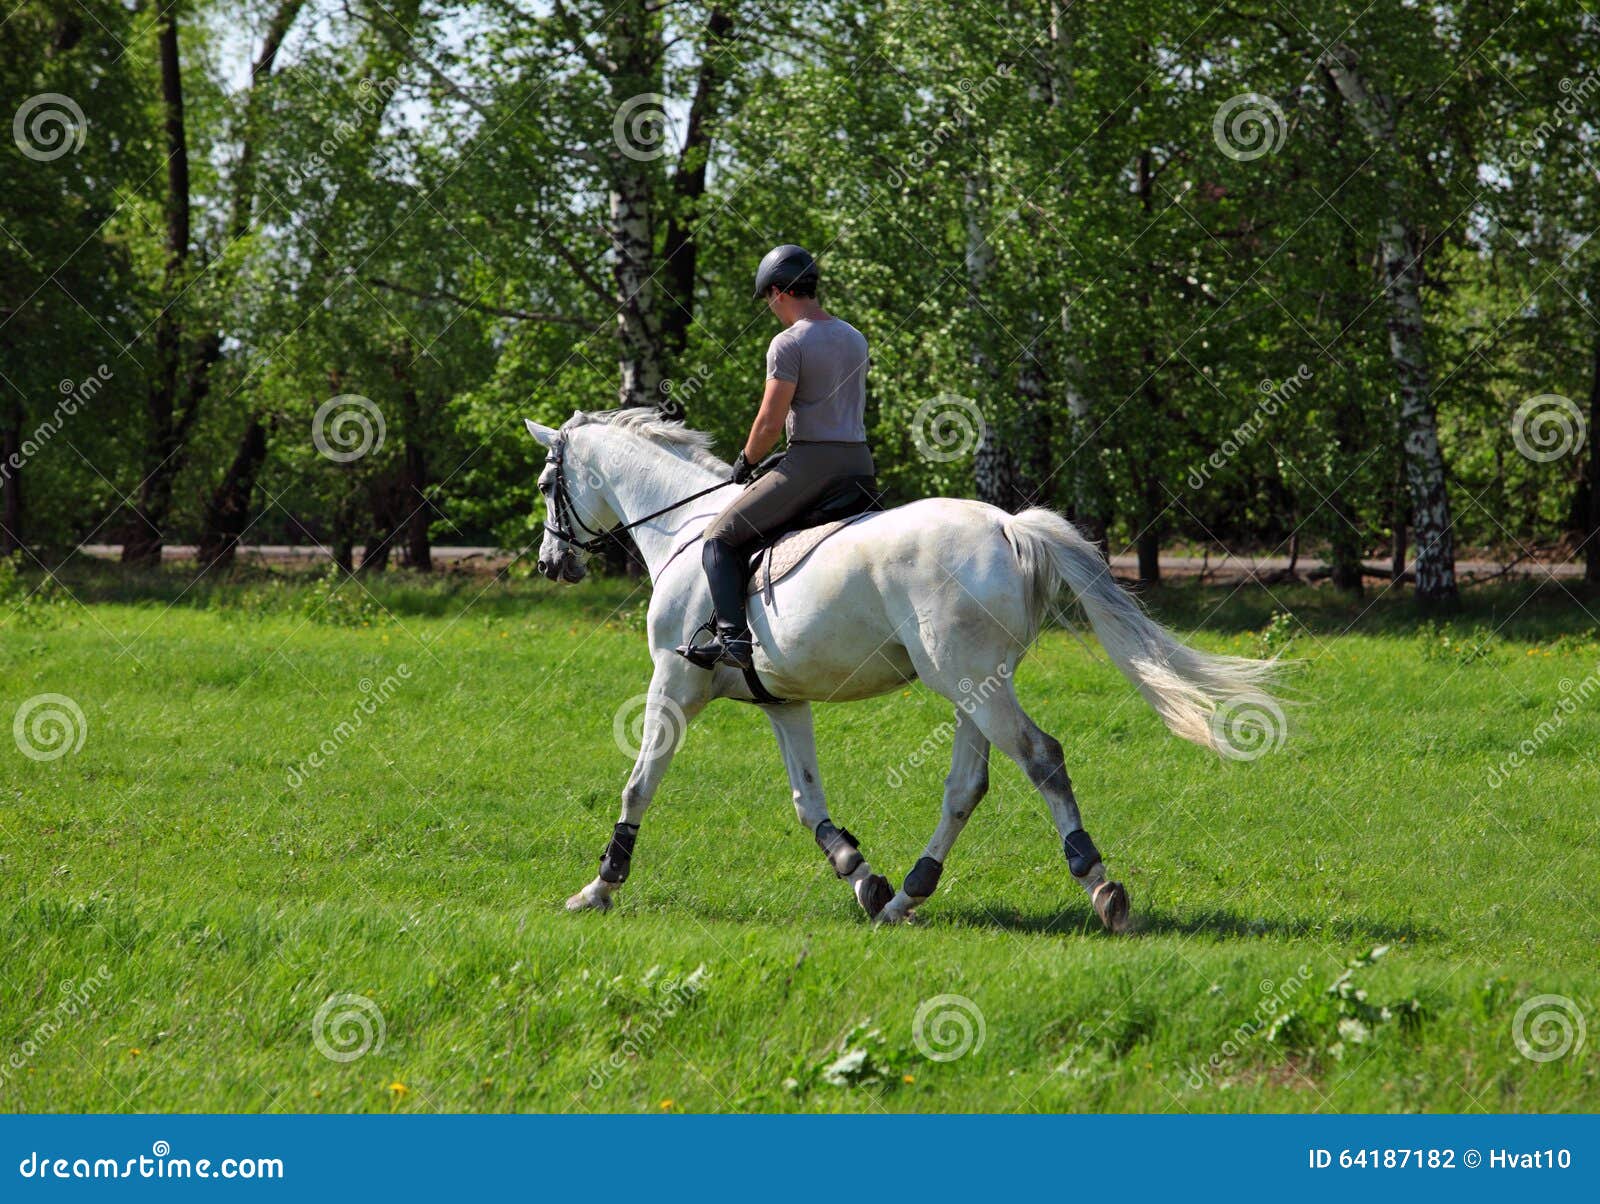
point(742, 470)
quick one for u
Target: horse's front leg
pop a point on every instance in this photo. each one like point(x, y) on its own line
point(677, 694)
point(796, 740)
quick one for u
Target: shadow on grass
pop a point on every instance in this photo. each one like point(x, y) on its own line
point(255, 590)
point(1215, 923)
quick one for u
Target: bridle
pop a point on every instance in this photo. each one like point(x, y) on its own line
point(563, 516)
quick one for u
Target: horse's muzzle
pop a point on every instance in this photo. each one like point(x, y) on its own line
point(565, 568)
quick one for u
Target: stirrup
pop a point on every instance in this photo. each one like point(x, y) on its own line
point(736, 651)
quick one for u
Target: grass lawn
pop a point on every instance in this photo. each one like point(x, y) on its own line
point(196, 912)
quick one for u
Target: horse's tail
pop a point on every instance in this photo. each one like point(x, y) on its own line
point(1185, 686)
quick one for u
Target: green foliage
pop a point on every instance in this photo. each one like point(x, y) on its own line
point(1343, 1015)
point(12, 586)
point(1441, 642)
point(416, 205)
point(861, 1059)
point(338, 599)
point(29, 602)
point(1277, 637)
point(1569, 643)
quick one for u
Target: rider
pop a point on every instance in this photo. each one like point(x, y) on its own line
point(816, 394)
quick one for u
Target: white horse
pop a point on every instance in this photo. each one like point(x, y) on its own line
point(945, 591)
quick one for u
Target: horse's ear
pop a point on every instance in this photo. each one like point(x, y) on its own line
point(546, 435)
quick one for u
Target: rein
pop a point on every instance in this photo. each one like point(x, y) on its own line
point(564, 513)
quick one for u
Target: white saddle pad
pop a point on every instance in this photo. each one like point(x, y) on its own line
point(791, 550)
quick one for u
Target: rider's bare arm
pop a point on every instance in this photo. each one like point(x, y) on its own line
point(764, 431)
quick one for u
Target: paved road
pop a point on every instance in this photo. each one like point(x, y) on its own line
point(292, 552)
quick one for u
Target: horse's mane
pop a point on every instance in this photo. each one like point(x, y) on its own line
point(647, 422)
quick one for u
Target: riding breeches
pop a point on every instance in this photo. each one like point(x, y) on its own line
point(806, 472)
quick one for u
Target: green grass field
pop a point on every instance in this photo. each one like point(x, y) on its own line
point(176, 912)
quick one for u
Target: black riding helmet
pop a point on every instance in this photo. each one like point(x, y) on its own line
point(783, 268)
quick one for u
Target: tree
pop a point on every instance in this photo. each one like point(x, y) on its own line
point(69, 302)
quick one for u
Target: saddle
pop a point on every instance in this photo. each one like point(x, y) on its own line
point(784, 550)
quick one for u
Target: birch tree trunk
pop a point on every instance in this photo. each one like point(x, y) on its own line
point(651, 289)
point(633, 58)
point(639, 358)
point(1435, 566)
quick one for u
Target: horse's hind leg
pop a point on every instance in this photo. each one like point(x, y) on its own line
point(963, 790)
point(791, 723)
point(672, 702)
point(1007, 725)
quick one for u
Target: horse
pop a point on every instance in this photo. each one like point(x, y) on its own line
point(946, 591)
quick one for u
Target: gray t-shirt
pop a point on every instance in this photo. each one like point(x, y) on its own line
point(827, 360)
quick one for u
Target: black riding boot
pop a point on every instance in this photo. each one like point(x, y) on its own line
point(725, 572)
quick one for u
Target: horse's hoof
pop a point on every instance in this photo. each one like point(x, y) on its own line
point(874, 894)
point(589, 899)
point(1111, 905)
point(897, 911)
